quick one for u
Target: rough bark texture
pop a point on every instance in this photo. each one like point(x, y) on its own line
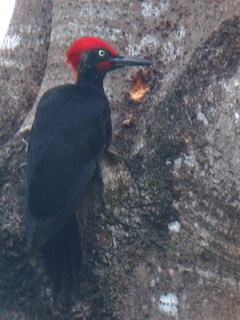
point(160, 224)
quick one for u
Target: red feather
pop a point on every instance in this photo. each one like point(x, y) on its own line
point(87, 43)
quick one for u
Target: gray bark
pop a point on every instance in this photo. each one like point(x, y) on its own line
point(160, 224)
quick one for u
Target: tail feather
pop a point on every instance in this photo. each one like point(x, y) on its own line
point(62, 255)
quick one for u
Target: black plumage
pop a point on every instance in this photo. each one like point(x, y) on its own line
point(71, 130)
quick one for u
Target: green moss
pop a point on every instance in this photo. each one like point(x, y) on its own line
point(115, 198)
point(156, 183)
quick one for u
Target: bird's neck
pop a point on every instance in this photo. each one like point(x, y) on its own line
point(92, 78)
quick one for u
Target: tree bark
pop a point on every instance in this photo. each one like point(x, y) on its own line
point(160, 223)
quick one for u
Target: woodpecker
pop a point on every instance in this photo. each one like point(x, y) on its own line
point(71, 130)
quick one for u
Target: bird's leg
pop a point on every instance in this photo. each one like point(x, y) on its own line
point(111, 151)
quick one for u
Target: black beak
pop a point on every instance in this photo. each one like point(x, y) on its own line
point(119, 61)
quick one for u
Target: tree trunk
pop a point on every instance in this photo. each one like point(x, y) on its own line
point(160, 221)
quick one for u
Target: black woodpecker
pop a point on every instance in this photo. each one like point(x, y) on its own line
point(71, 130)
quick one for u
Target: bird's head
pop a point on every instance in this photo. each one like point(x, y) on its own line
point(94, 53)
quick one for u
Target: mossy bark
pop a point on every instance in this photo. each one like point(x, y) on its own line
point(160, 221)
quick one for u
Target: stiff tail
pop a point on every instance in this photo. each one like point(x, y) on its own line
point(62, 255)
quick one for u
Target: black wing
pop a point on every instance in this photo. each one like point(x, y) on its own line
point(71, 129)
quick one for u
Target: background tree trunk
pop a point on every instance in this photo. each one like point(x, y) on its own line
point(159, 225)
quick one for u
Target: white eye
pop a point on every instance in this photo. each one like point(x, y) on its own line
point(101, 53)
